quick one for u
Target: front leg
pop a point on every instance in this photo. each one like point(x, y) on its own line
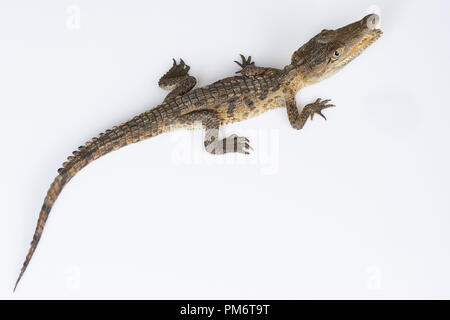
point(298, 119)
point(209, 120)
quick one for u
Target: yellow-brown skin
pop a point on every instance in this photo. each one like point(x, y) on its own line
point(229, 100)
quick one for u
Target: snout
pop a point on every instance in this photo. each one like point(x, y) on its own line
point(371, 21)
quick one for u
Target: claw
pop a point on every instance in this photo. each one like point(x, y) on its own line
point(318, 106)
point(240, 64)
point(321, 114)
point(245, 62)
point(239, 144)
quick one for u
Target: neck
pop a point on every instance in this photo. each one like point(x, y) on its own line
point(292, 78)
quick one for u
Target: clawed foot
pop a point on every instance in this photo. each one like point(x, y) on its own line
point(231, 144)
point(317, 107)
point(179, 68)
point(245, 62)
point(238, 144)
point(176, 73)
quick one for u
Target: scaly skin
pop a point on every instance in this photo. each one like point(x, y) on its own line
point(233, 99)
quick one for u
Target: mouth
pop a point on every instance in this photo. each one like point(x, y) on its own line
point(372, 36)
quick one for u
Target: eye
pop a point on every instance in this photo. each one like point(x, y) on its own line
point(336, 54)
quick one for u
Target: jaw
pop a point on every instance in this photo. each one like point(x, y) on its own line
point(356, 37)
point(315, 60)
point(358, 47)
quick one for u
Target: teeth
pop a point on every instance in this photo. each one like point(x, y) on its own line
point(364, 44)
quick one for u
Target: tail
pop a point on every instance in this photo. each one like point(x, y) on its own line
point(52, 194)
point(146, 125)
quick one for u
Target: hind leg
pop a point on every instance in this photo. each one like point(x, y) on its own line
point(177, 79)
point(209, 120)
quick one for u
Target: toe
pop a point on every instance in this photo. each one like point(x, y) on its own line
point(321, 114)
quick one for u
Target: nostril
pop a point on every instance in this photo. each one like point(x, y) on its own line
point(372, 21)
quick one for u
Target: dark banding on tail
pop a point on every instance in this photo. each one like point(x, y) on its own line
point(52, 194)
point(146, 125)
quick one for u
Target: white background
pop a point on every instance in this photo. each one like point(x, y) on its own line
point(353, 207)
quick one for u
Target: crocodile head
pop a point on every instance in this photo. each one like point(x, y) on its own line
point(330, 50)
